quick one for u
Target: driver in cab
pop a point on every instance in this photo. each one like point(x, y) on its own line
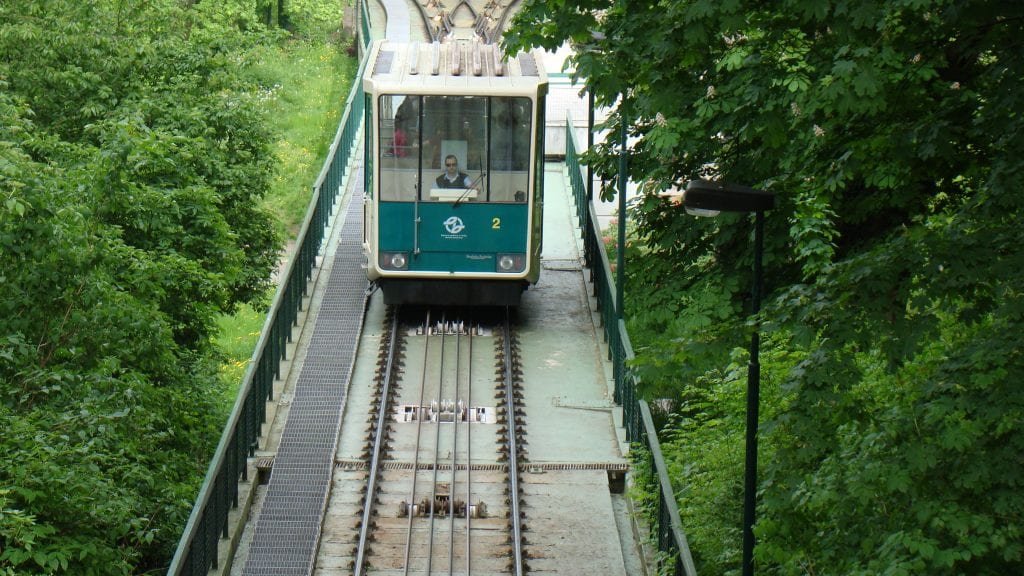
point(452, 177)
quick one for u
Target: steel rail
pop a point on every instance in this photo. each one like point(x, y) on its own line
point(378, 442)
point(505, 12)
point(428, 25)
point(489, 35)
point(513, 465)
point(442, 357)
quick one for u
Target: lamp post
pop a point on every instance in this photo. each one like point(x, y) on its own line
point(708, 198)
point(620, 252)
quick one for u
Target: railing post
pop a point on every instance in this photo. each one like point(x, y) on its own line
point(620, 248)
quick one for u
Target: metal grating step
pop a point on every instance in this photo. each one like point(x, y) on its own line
point(565, 466)
point(288, 527)
point(542, 467)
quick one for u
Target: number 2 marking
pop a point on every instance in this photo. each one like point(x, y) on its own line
point(496, 223)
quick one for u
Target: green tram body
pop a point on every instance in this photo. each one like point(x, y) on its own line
point(431, 241)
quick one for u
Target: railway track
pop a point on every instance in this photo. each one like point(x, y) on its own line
point(441, 18)
point(437, 488)
point(444, 450)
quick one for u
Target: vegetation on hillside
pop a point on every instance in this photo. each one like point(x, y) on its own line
point(891, 134)
point(305, 85)
point(135, 159)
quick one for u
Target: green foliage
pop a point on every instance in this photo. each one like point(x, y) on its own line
point(104, 470)
point(703, 448)
point(645, 493)
point(302, 87)
point(237, 335)
point(134, 158)
point(921, 467)
point(891, 135)
point(315, 19)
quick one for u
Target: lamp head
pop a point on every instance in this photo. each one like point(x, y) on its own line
point(708, 196)
point(702, 212)
point(676, 197)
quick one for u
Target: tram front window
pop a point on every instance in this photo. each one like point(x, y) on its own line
point(454, 132)
point(432, 145)
point(510, 149)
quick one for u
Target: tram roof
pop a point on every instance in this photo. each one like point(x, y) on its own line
point(457, 66)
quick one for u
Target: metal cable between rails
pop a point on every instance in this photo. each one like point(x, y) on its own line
point(416, 458)
point(437, 455)
point(469, 460)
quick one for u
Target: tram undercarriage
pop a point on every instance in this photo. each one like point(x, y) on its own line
point(452, 292)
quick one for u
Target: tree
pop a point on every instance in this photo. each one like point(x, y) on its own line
point(890, 132)
point(133, 158)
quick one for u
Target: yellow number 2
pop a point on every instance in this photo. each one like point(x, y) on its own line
point(496, 223)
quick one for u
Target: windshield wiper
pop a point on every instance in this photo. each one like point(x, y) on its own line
point(471, 187)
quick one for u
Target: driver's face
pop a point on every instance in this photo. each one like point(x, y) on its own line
point(451, 166)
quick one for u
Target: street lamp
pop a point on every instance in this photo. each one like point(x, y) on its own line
point(707, 198)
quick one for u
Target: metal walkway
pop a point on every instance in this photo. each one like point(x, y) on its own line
point(397, 29)
point(288, 528)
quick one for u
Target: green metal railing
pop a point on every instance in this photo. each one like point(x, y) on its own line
point(208, 523)
point(636, 414)
point(366, 34)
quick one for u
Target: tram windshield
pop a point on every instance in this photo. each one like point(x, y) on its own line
point(454, 148)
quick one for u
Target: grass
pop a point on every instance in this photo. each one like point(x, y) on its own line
point(311, 83)
point(305, 85)
point(237, 340)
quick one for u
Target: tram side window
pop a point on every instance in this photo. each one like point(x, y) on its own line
point(454, 147)
point(399, 139)
point(510, 148)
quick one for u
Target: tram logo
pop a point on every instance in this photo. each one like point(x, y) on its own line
point(454, 225)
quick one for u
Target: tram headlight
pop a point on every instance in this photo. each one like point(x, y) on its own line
point(510, 263)
point(394, 260)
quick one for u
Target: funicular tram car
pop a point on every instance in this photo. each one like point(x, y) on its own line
point(454, 169)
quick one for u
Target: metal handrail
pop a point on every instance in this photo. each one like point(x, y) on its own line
point(636, 414)
point(671, 538)
point(366, 36)
point(208, 523)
